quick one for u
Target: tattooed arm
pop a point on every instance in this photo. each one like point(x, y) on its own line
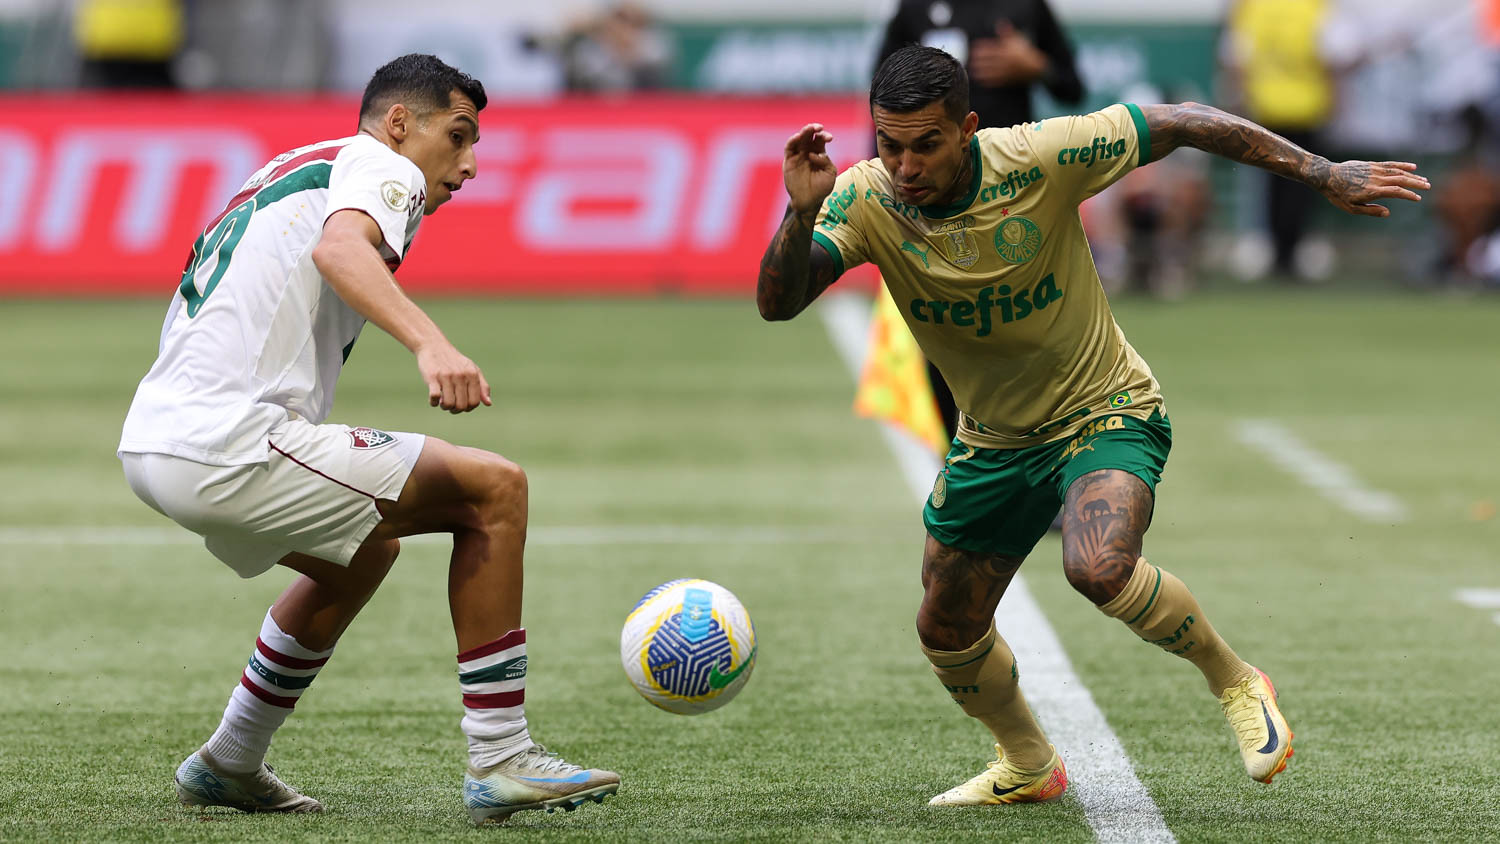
point(795, 270)
point(1352, 186)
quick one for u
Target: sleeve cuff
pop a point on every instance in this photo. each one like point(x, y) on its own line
point(1142, 132)
point(832, 250)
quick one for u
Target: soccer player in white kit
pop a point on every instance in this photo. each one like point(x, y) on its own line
point(226, 436)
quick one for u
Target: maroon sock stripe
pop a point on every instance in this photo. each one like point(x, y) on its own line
point(509, 640)
point(274, 700)
point(500, 700)
point(285, 661)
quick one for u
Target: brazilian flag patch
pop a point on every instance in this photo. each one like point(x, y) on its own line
point(1119, 399)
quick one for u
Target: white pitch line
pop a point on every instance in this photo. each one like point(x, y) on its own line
point(1331, 479)
point(559, 535)
point(1480, 599)
point(1115, 803)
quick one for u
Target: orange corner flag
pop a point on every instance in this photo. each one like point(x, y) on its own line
point(893, 386)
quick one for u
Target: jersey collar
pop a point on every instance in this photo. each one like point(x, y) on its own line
point(977, 176)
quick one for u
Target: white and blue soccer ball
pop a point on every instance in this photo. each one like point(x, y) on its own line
point(688, 646)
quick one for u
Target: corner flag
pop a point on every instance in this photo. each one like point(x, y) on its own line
point(893, 386)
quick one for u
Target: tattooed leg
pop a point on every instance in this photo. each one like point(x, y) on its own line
point(1105, 517)
point(956, 625)
point(961, 591)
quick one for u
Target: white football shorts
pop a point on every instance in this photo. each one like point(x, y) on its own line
point(315, 495)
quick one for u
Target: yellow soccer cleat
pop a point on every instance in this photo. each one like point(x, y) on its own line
point(1265, 739)
point(1002, 782)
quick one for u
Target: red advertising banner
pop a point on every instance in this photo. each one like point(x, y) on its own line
point(105, 194)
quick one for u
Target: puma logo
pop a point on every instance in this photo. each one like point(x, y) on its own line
point(908, 246)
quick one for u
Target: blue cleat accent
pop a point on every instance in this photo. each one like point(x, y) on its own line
point(201, 783)
point(533, 779)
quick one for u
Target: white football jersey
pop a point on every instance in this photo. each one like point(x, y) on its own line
point(254, 334)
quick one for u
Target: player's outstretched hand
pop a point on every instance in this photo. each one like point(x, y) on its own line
point(807, 170)
point(454, 383)
point(1355, 186)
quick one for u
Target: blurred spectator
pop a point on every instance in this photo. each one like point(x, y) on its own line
point(1468, 207)
point(1007, 46)
point(258, 45)
point(619, 50)
point(1277, 61)
point(1147, 232)
point(128, 43)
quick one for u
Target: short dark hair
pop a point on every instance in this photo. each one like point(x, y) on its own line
point(422, 82)
point(915, 77)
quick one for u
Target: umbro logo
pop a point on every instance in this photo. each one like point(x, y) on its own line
point(369, 438)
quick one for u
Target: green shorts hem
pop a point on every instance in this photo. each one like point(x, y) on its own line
point(1002, 501)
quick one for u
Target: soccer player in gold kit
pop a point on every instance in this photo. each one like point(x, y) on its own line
point(978, 237)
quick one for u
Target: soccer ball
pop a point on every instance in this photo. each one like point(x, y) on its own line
point(688, 646)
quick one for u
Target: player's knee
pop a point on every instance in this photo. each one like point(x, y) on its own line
point(505, 492)
point(1100, 575)
point(942, 630)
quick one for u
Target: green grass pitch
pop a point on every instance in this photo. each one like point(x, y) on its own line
point(118, 656)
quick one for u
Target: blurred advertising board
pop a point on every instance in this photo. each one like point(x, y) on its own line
point(104, 195)
point(1115, 58)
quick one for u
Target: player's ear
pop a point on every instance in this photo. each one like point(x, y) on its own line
point(970, 125)
point(397, 122)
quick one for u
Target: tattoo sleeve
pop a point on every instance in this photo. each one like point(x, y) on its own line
point(793, 271)
point(1235, 138)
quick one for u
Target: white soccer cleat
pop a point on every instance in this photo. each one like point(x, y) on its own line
point(200, 782)
point(533, 779)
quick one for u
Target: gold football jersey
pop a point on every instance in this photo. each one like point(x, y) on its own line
point(999, 288)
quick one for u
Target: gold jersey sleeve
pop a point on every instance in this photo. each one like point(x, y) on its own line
point(999, 288)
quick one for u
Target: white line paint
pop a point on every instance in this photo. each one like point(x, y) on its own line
point(561, 535)
point(1102, 779)
point(1480, 599)
point(1331, 479)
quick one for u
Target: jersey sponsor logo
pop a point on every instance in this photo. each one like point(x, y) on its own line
point(890, 203)
point(369, 438)
point(959, 242)
point(838, 202)
point(908, 246)
point(1100, 149)
point(1018, 239)
point(940, 490)
point(394, 194)
point(1015, 182)
point(979, 314)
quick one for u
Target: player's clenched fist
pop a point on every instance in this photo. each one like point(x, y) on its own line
point(807, 170)
point(454, 383)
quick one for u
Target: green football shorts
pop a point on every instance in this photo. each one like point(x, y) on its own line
point(1002, 500)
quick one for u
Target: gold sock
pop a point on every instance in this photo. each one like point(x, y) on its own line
point(1158, 607)
point(984, 682)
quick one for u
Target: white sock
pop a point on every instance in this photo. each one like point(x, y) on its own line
point(279, 671)
point(492, 678)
